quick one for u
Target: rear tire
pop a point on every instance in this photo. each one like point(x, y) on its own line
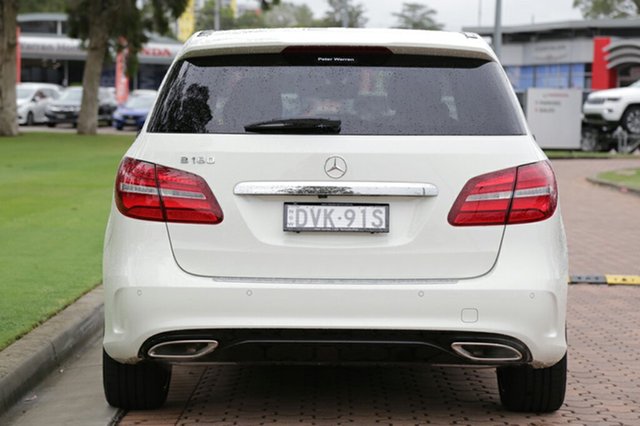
point(141, 386)
point(594, 139)
point(589, 139)
point(526, 389)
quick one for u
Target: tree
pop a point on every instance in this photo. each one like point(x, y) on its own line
point(355, 13)
point(418, 17)
point(596, 9)
point(275, 14)
point(117, 23)
point(250, 19)
point(206, 16)
point(121, 23)
point(289, 15)
point(8, 42)
point(268, 4)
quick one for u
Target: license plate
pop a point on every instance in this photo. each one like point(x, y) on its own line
point(325, 217)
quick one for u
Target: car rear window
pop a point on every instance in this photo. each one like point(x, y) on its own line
point(382, 94)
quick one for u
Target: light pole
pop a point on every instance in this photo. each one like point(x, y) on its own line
point(497, 29)
point(216, 16)
point(345, 14)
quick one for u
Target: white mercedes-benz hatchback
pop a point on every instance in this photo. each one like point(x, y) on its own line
point(336, 196)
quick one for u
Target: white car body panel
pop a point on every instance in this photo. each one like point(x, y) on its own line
point(398, 41)
point(147, 293)
point(420, 245)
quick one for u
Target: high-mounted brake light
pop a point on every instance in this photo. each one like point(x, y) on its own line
point(150, 192)
point(517, 195)
point(337, 50)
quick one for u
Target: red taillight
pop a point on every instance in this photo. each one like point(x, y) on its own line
point(150, 192)
point(517, 195)
point(536, 194)
point(137, 190)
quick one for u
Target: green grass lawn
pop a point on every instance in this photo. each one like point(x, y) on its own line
point(55, 195)
point(582, 154)
point(625, 177)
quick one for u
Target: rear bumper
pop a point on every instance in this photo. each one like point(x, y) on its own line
point(336, 346)
point(143, 315)
point(523, 298)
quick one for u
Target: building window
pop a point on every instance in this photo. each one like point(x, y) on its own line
point(552, 76)
point(557, 76)
point(39, 27)
point(521, 78)
point(42, 71)
point(150, 76)
point(578, 76)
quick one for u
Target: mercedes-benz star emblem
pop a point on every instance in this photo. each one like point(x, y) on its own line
point(335, 167)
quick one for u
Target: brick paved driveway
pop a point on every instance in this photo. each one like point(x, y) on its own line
point(603, 228)
point(603, 225)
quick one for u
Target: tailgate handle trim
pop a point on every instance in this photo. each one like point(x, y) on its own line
point(374, 189)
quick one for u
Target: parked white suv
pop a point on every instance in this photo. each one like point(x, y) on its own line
point(614, 107)
point(336, 195)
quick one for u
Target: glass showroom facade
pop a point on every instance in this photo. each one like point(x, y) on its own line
point(555, 76)
point(569, 54)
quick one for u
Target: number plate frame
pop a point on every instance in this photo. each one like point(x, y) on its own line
point(370, 230)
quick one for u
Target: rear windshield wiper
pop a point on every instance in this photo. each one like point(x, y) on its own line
point(296, 126)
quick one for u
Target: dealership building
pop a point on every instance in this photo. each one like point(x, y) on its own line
point(47, 54)
point(587, 54)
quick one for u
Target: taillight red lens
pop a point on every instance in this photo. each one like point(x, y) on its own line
point(516, 195)
point(484, 200)
point(186, 197)
point(150, 192)
point(137, 190)
point(536, 194)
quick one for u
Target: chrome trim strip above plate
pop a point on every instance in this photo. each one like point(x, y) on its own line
point(375, 189)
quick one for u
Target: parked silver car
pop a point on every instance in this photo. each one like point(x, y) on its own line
point(32, 101)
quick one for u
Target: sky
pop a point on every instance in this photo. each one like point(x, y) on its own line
point(455, 14)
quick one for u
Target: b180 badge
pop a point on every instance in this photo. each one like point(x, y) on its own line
point(197, 160)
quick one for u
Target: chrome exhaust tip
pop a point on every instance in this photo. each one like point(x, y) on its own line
point(487, 352)
point(182, 349)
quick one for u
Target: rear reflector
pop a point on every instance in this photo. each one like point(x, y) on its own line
point(517, 195)
point(150, 192)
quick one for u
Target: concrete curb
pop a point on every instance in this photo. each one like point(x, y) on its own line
point(29, 360)
point(621, 188)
